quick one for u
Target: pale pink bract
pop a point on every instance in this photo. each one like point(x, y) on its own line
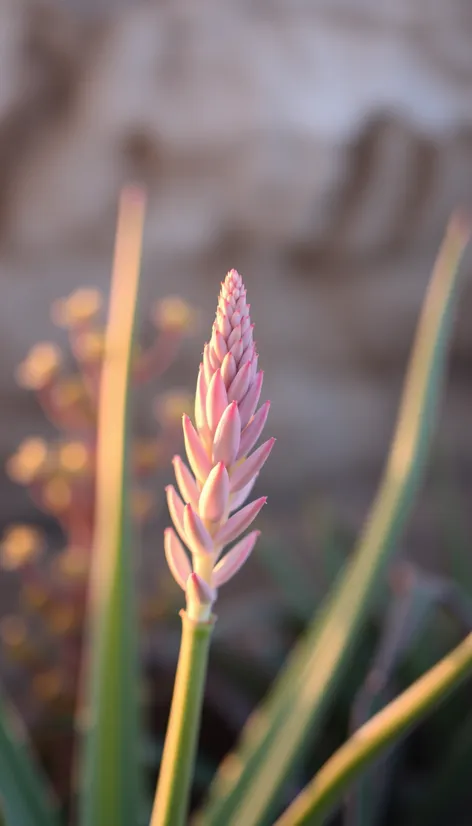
point(228, 425)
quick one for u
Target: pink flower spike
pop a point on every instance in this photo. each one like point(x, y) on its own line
point(248, 405)
point(177, 558)
point(237, 350)
point(248, 355)
point(214, 360)
point(234, 336)
point(239, 498)
point(241, 305)
point(216, 401)
point(253, 430)
point(233, 277)
point(244, 472)
point(199, 461)
point(247, 337)
point(219, 344)
point(207, 367)
point(255, 362)
point(225, 307)
point(176, 510)
point(239, 387)
point(224, 459)
point(234, 559)
point(228, 369)
point(223, 324)
point(239, 522)
point(197, 536)
point(227, 436)
point(200, 396)
point(186, 482)
point(214, 498)
point(206, 595)
point(200, 598)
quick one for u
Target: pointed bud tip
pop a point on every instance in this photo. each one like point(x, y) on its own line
point(205, 593)
point(232, 410)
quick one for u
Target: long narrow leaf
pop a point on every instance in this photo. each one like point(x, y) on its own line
point(110, 793)
point(24, 794)
point(250, 784)
point(315, 802)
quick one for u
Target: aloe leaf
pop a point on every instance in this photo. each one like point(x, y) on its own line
point(110, 759)
point(317, 800)
point(250, 784)
point(25, 797)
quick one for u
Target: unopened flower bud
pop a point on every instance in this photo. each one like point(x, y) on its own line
point(228, 426)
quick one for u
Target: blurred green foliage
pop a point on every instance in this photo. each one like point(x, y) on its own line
point(386, 631)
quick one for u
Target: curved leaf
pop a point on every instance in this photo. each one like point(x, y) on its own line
point(250, 783)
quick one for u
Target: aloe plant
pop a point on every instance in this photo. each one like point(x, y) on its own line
point(208, 515)
point(227, 429)
point(273, 741)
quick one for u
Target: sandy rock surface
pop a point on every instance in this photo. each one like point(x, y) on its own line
point(316, 146)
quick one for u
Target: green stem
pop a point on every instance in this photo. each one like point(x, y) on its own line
point(315, 802)
point(171, 802)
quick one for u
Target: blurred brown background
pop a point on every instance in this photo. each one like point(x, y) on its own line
point(318, 146)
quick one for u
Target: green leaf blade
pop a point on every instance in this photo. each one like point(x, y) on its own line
point(316, 801)
point(109, 767)
point(24, 793)
point(248, 788)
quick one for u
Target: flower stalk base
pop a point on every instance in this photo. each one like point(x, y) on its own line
point(173, 789)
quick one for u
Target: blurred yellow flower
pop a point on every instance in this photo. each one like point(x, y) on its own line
point(56, 494)
point(79, 307)
point(29, 461)
point(170, 407)
point(74, 458)
point(68, 392)
point(174, 314)
point(20, 545)
point(90, 346)
point(40, 365)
